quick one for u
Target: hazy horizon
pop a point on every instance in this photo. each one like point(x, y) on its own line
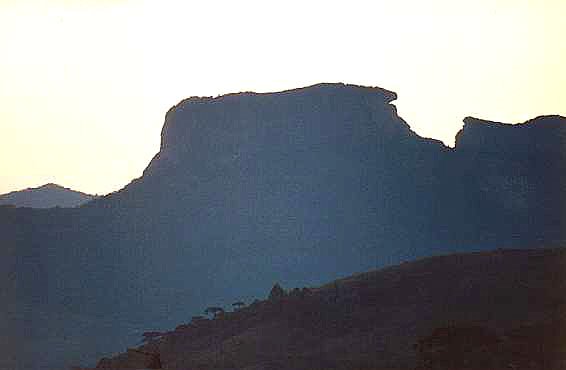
point(86, 84)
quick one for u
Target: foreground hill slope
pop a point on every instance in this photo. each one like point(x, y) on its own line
point(490, 310)
point(45, 196)
point(300, 186)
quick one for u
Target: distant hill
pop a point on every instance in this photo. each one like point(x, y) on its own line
point(490, 310)
point(45, 196)
point(300, 186)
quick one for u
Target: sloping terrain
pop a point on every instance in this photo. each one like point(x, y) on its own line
point(489, 310)
point(45, 196)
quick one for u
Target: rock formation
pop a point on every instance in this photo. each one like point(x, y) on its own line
point(300, 187)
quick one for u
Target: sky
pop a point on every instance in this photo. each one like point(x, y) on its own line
point(85, 84)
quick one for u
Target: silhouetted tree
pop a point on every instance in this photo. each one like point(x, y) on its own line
point(276, 292)
point(296, 292)
point(151, 335)
point(238, 305)
point(214, 311)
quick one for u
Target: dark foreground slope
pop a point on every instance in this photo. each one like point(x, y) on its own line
point(45, 196)
point(301, 187)
point(490, 310)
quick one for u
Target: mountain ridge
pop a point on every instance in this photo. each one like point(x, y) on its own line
point(536, 134)
point(46, 196)
point(300, 187)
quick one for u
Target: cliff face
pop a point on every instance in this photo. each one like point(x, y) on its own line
point(211, 129)
point(538, 136)
point(518, 170)
point(309, 183)
point(299, 186)
point(305, 182)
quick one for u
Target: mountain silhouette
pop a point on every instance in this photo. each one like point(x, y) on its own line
point(301, 187)
point(45, 196)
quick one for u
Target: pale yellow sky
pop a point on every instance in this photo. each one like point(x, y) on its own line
point(85, 84)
